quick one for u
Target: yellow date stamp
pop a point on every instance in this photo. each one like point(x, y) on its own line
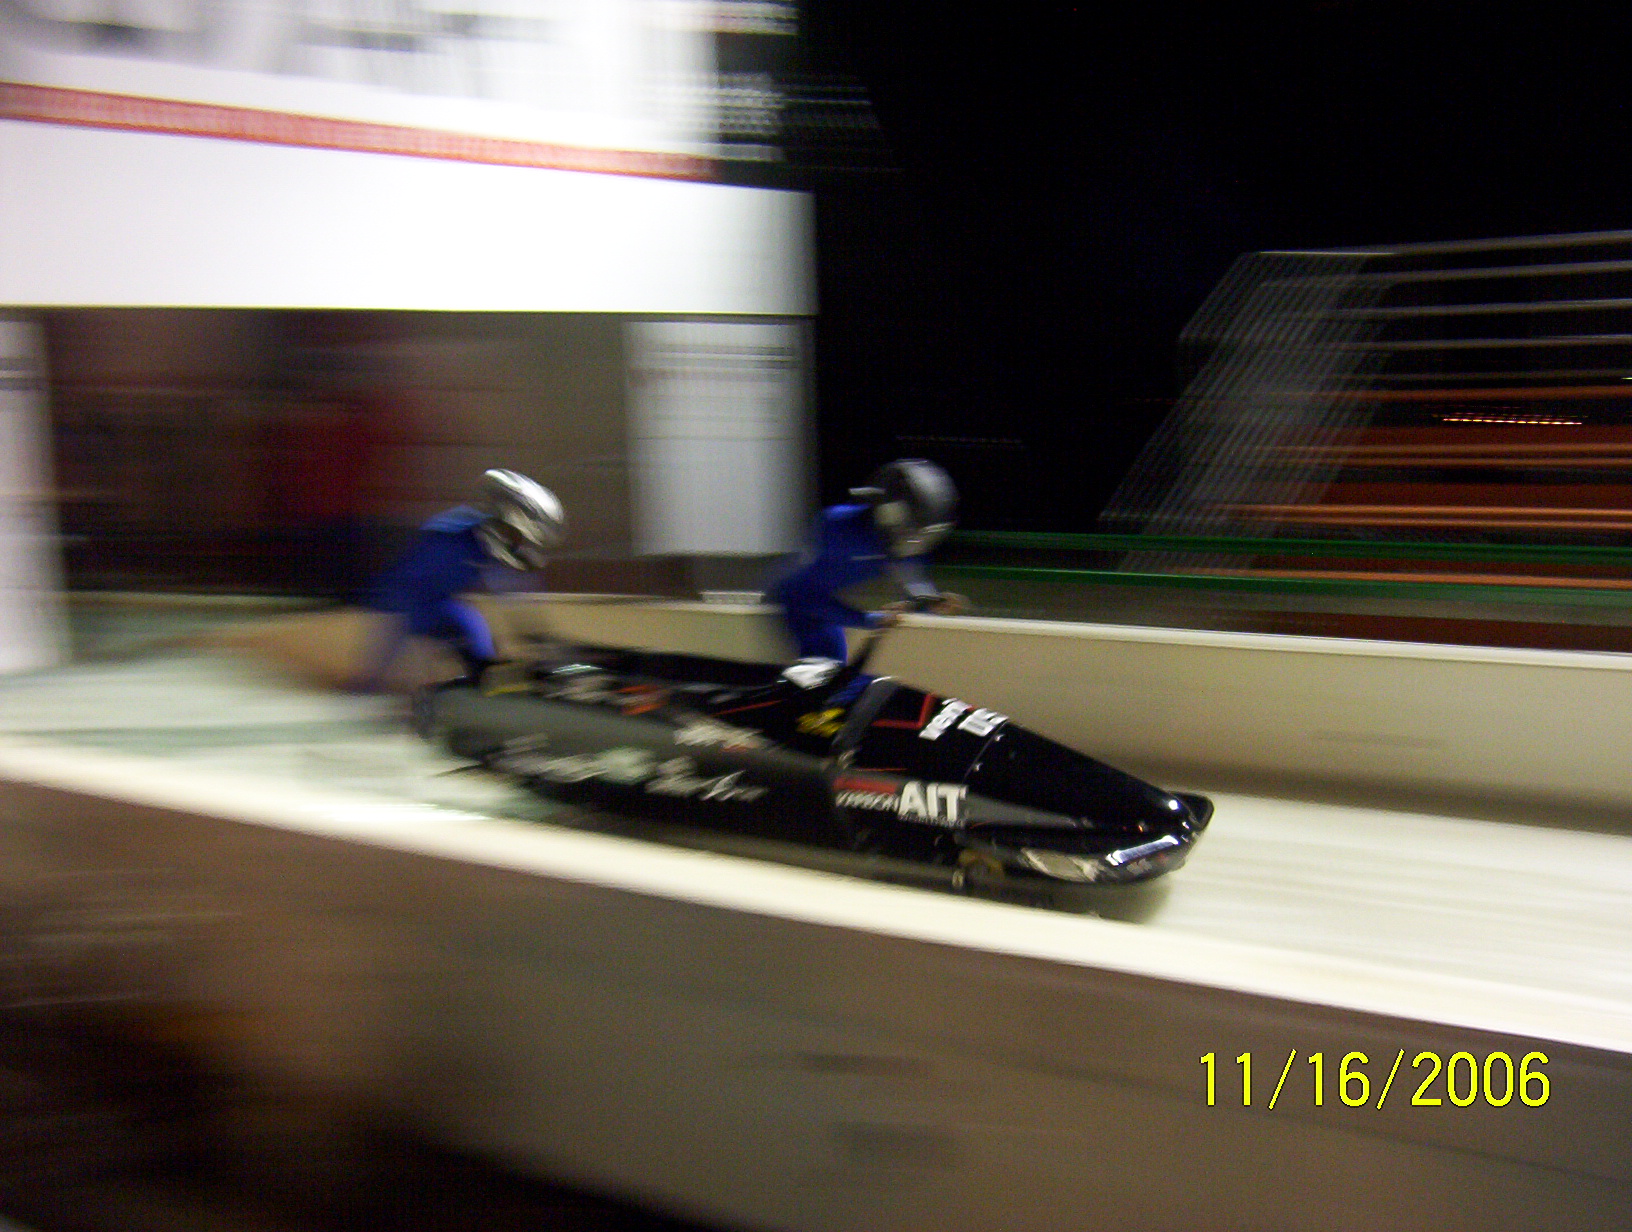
point(1462, 1079)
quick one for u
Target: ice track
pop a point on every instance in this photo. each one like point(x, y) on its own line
point(1530, 905)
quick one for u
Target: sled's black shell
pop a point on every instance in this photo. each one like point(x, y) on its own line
point(598, 754)
point(891, 769)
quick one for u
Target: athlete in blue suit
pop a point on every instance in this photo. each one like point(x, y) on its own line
point(513, 523)
point(904, 512)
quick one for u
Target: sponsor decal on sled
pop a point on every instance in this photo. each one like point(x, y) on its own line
point(982, 722)
point(581, 685)
point(937, 804)
point(630, 767)
point(527, 744)
point(820, 722)
point(590, 684)
point(676, 777)
point(721, 735)
point(949, 712)
point(880, 795)
point(621, 765)
point(975, 722)
point(641, 698)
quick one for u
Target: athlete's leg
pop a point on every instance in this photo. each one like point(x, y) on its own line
point(816, 638)
point(380, 653)
point(470, 636)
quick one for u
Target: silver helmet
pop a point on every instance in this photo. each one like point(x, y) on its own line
point(914, 504)
point(523, 519)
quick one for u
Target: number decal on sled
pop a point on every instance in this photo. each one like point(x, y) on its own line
point(982, 722)
point(949, 712)
point(975, 722)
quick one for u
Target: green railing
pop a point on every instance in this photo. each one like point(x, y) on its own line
point(1584, 594)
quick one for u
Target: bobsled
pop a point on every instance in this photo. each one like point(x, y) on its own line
point(815, 753)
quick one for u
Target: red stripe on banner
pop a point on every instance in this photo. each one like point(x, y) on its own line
point(86, 108)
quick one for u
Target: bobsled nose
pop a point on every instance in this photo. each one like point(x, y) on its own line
point(1199, 807)
point(1127, 803)
point(1024, 768)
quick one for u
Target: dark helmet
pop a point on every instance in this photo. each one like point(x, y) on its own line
point(523, 519)
point(914, 504)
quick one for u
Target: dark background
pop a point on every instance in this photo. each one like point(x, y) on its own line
point(1058, 187)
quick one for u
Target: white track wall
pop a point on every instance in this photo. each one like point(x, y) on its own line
point(1467, 723)
point(774, 1048)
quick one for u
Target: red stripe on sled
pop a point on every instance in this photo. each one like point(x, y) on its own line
point(909, 724)
point(755, 706)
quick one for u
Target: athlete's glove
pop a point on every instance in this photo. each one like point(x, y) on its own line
point(944, 604)
point(888, 616)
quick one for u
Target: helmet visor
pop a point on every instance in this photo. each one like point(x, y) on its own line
point(510, 545)
point(920, 540)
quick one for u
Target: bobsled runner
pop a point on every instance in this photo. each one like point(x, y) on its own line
point(813, 754)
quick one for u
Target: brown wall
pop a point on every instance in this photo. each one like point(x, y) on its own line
point(542, 394)
point(178, 433)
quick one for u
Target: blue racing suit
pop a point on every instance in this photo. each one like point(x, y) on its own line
point(848, 549)
point(420, 591)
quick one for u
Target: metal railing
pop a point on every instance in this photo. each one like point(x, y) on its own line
point(1301, 364)
point(1560, 591)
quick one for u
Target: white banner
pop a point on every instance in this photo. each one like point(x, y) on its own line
point(151, 220)
point(543, 80)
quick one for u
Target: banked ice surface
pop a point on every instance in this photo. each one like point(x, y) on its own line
point(1527, 907)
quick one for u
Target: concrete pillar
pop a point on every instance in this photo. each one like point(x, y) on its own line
point(718, 438)
point(33, 630)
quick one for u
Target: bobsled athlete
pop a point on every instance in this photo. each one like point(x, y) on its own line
point(513, 523)
point(906, 508)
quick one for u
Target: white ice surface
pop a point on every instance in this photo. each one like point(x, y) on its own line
point(1342, 892)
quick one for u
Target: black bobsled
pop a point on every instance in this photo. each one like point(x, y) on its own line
point(804, 755)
